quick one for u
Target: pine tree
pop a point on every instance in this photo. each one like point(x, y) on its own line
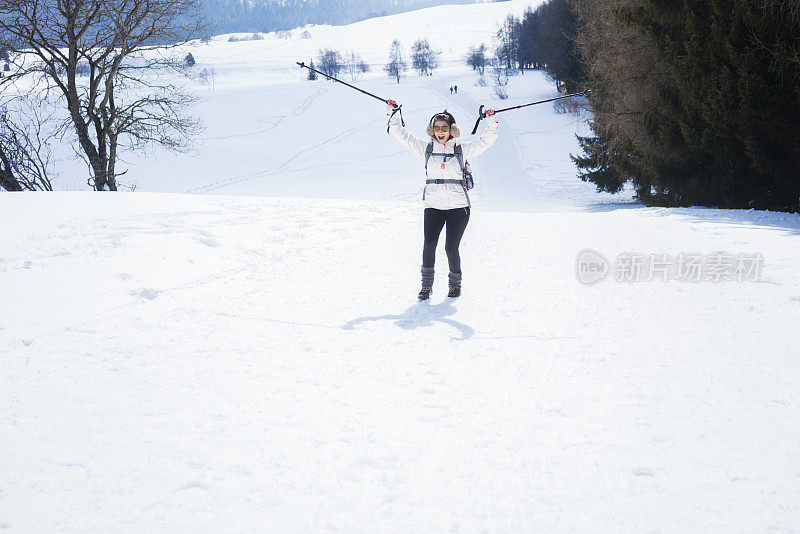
point(311, 74)
point(694, 104)
point(731, 120)
point(555, 44)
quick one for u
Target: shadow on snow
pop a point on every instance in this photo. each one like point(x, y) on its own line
point(420, 315)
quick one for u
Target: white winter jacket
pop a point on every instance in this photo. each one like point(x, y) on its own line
point(444, 196)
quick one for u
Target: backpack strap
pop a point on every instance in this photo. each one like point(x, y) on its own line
point(428, 152)
point(459, 154)
point(458, 151)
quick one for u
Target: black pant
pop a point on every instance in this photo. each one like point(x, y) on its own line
point(456, 220)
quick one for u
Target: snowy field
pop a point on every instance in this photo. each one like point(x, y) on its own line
point(237, 346)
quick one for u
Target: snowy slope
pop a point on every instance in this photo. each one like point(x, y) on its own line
point(271, 132)
point(224, 364)
point(246, 358)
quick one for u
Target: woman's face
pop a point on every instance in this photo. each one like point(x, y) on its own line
point(441, 131)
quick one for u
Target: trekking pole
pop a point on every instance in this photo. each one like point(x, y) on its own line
point(482, 115)
point(385, 101)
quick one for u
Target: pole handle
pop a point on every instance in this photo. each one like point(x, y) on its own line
point(481, 116)
point(397, 109)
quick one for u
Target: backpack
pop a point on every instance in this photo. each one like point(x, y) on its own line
point(467, 181)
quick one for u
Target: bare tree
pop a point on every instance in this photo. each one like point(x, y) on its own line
point(355, 66)
point(507, 37)
point(476, 58)
point(423, 58)
point(623, 70)
point(396, 65)
point(27, 131)
point(500, 77)
point(127, 97)
point(330, 62)
point(208, 77)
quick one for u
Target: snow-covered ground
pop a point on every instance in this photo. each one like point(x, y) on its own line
point(253, 358)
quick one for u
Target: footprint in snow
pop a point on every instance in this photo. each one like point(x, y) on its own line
point(193, 485)
point(146, 293)
point(207, 239)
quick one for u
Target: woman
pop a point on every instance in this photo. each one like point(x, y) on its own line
point(445, 196)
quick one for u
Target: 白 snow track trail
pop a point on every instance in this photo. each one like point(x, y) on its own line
point(281, 168)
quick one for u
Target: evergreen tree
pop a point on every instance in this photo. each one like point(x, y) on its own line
point(545, 38)
point(311, 74)
point(696, 104)
point(598, 163)
point(729, 126)
point(528, 40)
point(555, 42)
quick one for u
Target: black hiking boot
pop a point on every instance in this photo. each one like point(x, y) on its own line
point(425, 293)
point(455, 291)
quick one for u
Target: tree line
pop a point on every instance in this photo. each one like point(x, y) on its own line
point(698, 104)
point(543, 38)
point(424, 59)
point(229, 16)
point(693, 103)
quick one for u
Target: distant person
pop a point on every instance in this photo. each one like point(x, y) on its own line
point(451, 89)
point(456, 88)
point(445, 196)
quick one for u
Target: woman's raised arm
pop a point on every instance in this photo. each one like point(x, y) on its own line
point(409, 140)
point(485, 140)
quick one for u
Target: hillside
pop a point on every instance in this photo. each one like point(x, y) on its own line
point(237, 345)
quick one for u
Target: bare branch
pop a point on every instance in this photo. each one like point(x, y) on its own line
point(109, 59)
